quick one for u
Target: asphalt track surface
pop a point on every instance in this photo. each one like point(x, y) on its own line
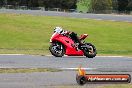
point(57, 79)
point(32, 61)
point(126, 18)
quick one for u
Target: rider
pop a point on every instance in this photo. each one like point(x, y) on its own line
point(73, 35)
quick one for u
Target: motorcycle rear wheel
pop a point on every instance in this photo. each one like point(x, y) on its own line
point(91, 52)
point(57, 49)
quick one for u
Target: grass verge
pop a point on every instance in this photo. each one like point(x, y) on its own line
point(27, 70)
point(30, 34)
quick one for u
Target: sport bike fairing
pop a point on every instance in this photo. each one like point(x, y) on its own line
point(68, 44)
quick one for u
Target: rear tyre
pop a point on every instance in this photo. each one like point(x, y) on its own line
point(57, 49)
point(90, 51)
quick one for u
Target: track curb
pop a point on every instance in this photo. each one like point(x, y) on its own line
point(51, 55)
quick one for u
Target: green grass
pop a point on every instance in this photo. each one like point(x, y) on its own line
point(27, 70)
point(30, 34)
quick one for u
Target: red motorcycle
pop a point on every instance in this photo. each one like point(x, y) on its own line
point(63, 45)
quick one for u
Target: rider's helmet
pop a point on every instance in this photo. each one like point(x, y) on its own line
point(58, 30)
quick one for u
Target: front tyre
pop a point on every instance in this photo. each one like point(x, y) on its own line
point(90, 51)
point(57, 49)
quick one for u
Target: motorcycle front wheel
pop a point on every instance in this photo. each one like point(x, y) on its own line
point(90, 52)
point(57, 49)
